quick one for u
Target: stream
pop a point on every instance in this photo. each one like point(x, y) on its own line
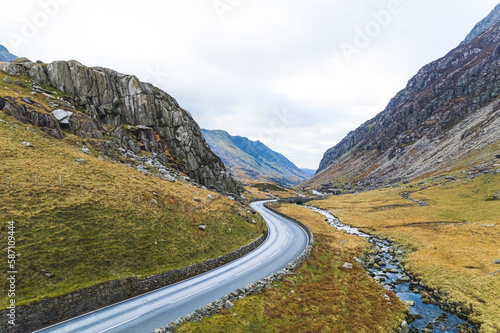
point(385, 266)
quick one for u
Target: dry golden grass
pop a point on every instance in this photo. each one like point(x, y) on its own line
point(321, 297)
point(105, 220)
point(454, 241)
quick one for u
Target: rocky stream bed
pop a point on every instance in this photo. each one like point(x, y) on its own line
point(430, 310)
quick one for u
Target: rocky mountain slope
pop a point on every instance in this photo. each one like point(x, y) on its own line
point(121, 117)
point(252, 160)
point(446, 118)
point(487, 23)
point(5, 55)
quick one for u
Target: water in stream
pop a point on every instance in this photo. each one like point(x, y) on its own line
point(385, 266)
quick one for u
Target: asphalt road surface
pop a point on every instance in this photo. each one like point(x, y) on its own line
point(158, 308)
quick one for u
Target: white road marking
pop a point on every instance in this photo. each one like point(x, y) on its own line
point(126, 321)
point(246, 270)
point(199, 291)
point(275, 253)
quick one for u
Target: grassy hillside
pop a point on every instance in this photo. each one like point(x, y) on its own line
point(82, 219)
point(265, 191)
point(455, 240)
point(321, 297)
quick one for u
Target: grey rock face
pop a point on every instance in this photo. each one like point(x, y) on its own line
point(143, 117)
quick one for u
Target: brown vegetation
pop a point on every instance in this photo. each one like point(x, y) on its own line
point(455, 240)
point(321, 297)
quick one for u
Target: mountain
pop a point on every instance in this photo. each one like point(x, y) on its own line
point(447, 117)
point(121, 117)
point(487, 23)
point(252, 160)
point(5, 55)
point(309, 172)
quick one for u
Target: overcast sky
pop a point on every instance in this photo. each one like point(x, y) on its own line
point(297, 75)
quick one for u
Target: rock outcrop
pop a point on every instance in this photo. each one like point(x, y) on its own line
point(124, 113)
point(447, 111)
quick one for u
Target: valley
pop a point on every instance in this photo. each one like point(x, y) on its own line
point(129, 217)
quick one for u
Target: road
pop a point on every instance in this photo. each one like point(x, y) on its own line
point(158, 308)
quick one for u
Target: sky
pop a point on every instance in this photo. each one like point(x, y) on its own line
point(297, 75)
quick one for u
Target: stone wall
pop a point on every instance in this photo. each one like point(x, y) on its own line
point(297, 200)
point(53, 310)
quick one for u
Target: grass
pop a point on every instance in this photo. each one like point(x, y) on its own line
point(264, 191)
point(454, 241)
point(267, 187)
point(107, 221)
point(321, 297)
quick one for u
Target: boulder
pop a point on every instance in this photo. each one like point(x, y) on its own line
point(202, 227)
point(405, 279)
point(62, 116)
point(409, 303)
point(27, 144)
point(347, 265)
point(229, 305)
point(405, 328)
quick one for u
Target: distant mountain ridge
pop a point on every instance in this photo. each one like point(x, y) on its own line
point(253, 160)
point(5, 55)
point(447, 115)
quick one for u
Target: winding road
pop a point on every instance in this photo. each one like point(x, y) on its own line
point(156, 309)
